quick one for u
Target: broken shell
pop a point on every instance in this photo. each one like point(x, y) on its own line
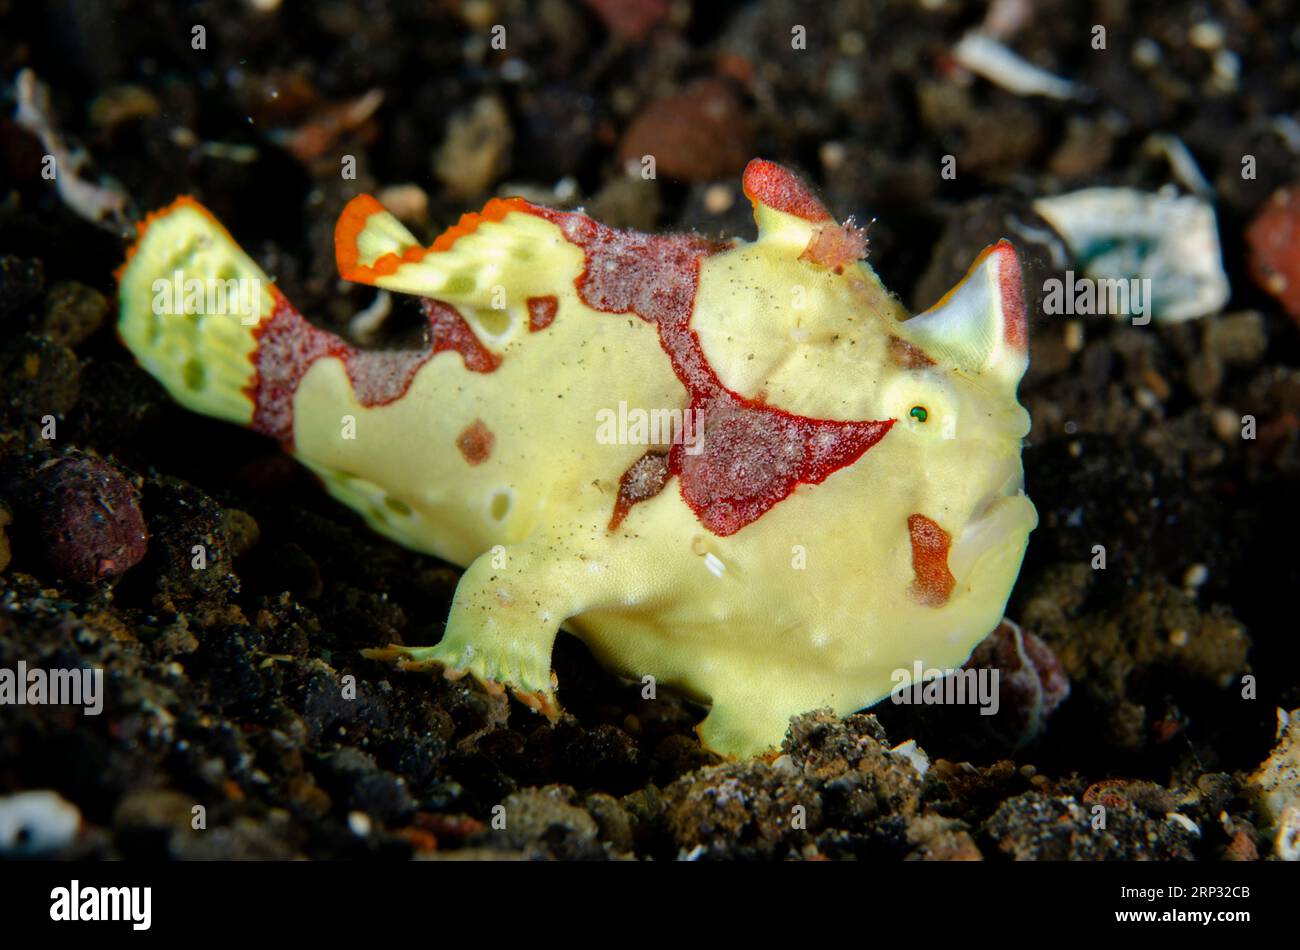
point(1124, 234)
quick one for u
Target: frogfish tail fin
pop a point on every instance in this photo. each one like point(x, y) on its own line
point(190, 306)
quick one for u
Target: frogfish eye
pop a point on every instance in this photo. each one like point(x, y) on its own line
point(919, 413)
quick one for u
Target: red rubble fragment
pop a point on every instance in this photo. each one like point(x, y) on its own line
point(1274, 239)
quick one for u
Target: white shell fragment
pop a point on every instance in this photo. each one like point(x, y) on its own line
point(1181, 163)
point(986, 57)
point(914, 754)
point(38, 822)
point(1124, 234)
point(94, 202)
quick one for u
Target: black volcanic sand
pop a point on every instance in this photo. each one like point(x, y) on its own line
point(227, 687)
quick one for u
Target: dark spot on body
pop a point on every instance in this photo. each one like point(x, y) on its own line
point(475, 442)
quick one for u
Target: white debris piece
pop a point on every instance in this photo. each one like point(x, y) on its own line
point(93, 202)
point(1125, 234)
point(914, 754)
point(1289, 130)
point(367, 321)
point(38, 822)
point(985, 56)
point(1181, 162)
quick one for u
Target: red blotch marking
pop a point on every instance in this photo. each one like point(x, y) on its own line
point(783, 190)
point(752, 455)
point(933, 581)
point(288, 345)
point(475, 442)
point(834, 245)
point(449, 331)
point(541, 312)
point(1011, 285)
point(644, 478)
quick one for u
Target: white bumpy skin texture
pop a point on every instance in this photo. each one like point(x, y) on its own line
point(852, 503)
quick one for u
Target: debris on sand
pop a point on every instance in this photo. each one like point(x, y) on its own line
point(94, 202)
point(1170, 240)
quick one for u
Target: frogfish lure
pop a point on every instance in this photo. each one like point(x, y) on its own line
point(740, 468)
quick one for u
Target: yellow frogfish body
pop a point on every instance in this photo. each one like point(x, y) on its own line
point(738, 468)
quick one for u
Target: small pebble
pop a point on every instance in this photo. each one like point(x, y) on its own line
point(1196, 576)
point(1226, 424)
point(84, 515)
point(1239, 339)
point(476, 149)
point(123, 103)
point(718, 199)
point(832, 155)
point(37, 822)
point(1146, 53)
point(409, 203)
point(630, 20)
point(1074, 338)
point(242, 531)
point(73, 312)
point(700, 133)
point(38, 377)
point(1157, 385)
point(1207, 35)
